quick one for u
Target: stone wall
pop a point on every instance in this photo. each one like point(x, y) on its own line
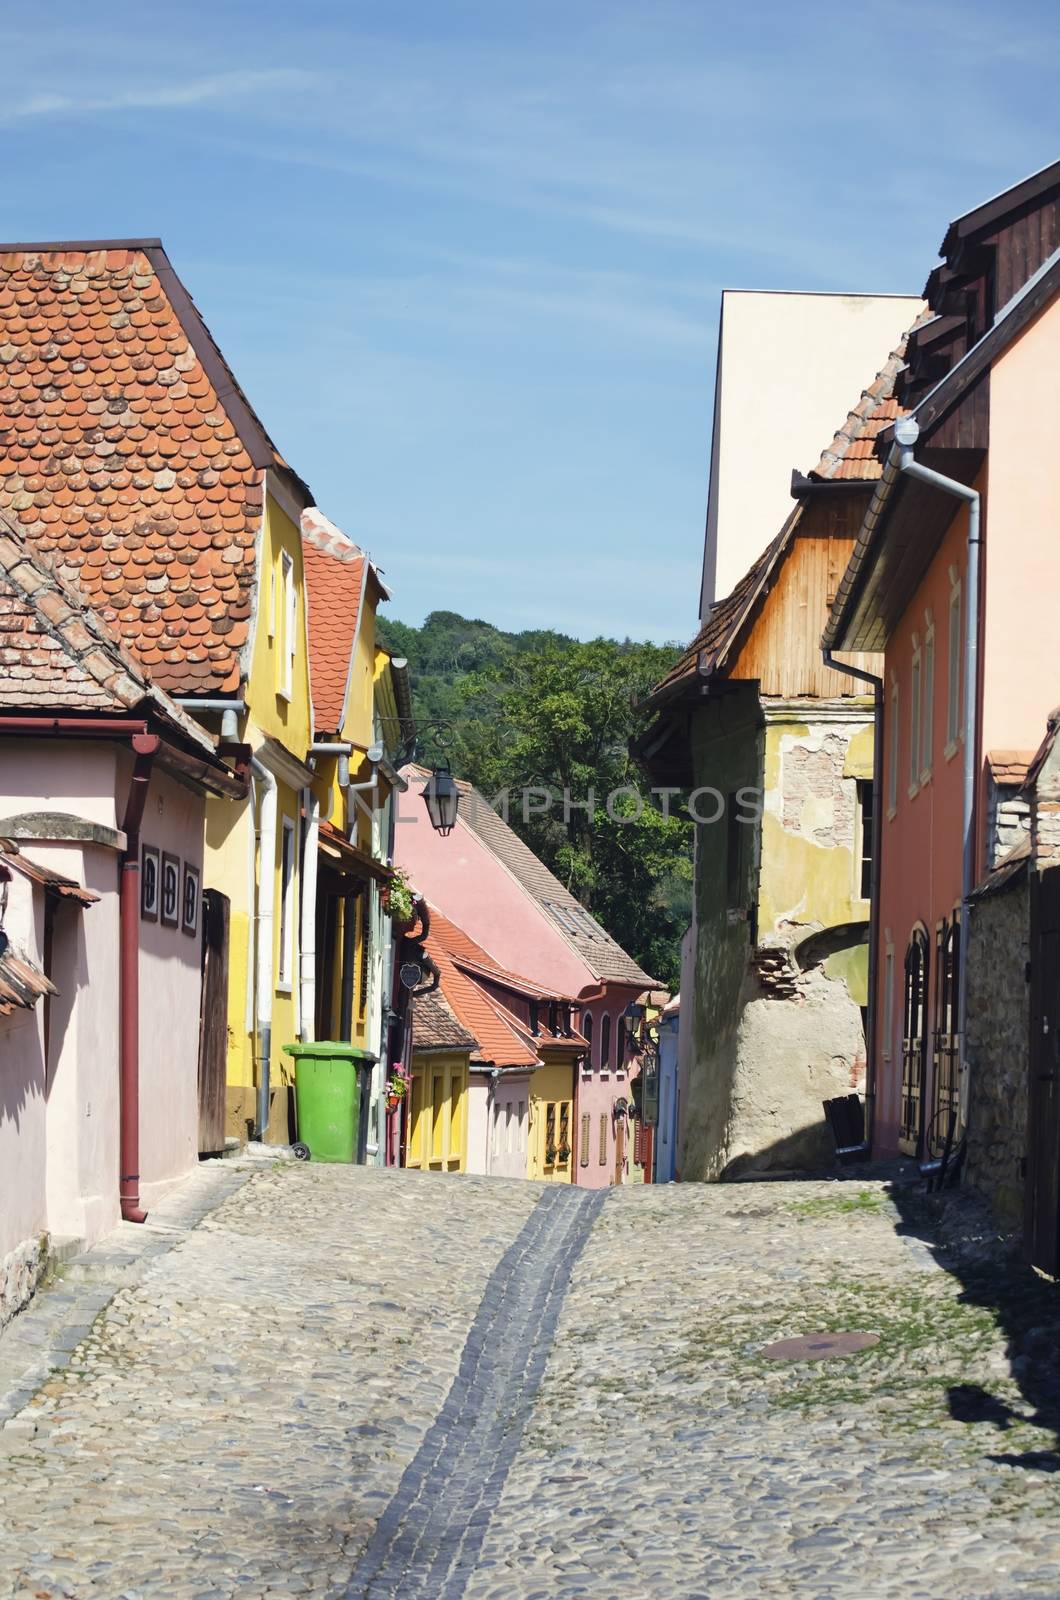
point(20, 1272)
point(998, 1022)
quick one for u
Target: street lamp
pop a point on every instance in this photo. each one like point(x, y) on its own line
point(442, 798)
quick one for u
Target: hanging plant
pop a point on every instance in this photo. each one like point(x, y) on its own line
point(398, 899)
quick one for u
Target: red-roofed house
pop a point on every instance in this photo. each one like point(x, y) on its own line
point(104, 784)
point(491, 885)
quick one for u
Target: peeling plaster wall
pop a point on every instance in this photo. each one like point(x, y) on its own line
point(769, 1042)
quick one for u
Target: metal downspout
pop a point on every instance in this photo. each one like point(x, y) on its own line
point(263, 979)
point(874, 883)
point(906, 434)
point(144, 748)
point(308, 941)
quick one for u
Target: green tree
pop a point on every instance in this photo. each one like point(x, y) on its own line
point(558, 719)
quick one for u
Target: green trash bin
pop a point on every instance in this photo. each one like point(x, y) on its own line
point(327, 1099)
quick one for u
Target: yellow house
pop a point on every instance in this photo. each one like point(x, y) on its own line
point(361, 708)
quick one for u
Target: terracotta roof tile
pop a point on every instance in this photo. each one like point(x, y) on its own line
point(56, 654)
point(435, 1026)
point(852, 453)
point(336, 571)
point(1010, 766)
point(503, 1039)
point(114, 439)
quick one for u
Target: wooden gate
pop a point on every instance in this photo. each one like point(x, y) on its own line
point(213, 1022)
point(1042, 1191)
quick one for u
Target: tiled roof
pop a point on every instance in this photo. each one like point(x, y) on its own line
point(336, 572)
point(602, 954)
point(56, 654)
point(503, 1038)
point(45, 877)
point(852, 453)
point(715, 639)
point(1009, 766)
point(129, 453)
point(435, 1026)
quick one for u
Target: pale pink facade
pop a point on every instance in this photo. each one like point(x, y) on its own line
point(475, 890)
point(62, 802)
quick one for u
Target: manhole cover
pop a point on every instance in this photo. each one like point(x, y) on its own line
point(819, 1346)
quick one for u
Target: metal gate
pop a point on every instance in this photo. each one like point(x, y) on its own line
point(1042, 1192)
point(213, 1022)
point(914, 1042)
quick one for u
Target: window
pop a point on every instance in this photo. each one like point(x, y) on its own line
point(286, 903)
point(863, 864)
point(914, 721)
point(913, 1042)
point(508, 1127)
point(587, 1029)
point(289, 643)
point(605, 1045)
point(953, 672)
point(583, 1153)
point(927, 717)
point(892, 752)
point(603, 1138)
point(522, 1125)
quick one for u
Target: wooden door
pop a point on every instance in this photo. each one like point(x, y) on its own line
point(620, 1149)
point(213, 1022)
point(1042, 1192)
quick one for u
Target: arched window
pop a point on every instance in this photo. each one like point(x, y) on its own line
point(587, 1030)
point(605, 1045)
point(914, 1020)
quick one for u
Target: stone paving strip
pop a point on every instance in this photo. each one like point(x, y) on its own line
point(235, 1422)
point(427, 1541)
point(666, 1457)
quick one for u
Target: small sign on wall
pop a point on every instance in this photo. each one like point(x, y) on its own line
point(149, 884)
point(189, 919)
point(170, 890)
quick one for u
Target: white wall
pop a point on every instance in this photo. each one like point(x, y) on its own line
point(790, 368)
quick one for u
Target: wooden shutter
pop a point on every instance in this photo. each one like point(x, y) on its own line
point(583, 1157)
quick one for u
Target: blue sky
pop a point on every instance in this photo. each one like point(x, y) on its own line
point(466, 257)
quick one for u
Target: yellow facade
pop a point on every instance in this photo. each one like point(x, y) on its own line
point(551, 1122)
point(437, 1113)
point(807, 877)
point(278, 719)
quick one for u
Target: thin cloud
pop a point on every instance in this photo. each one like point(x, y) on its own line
point(222, 87)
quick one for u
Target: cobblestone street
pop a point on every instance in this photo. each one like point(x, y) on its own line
point(332, 1381)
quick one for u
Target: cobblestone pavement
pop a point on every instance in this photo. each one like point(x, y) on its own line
point(371, 1384)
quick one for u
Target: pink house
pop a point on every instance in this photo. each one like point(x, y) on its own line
point(954, 578)
point(487, 881)
point(103, 788)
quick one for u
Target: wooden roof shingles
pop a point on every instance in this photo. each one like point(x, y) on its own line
point(130, 454)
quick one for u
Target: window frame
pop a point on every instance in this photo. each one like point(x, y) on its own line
point(605, 1043)
point(955, 673)
point(863, 837)
point(927, 710)
point(288, 644)
point(894, 749)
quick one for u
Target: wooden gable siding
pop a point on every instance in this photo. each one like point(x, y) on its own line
point(1021, 246)
point(783, 649)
